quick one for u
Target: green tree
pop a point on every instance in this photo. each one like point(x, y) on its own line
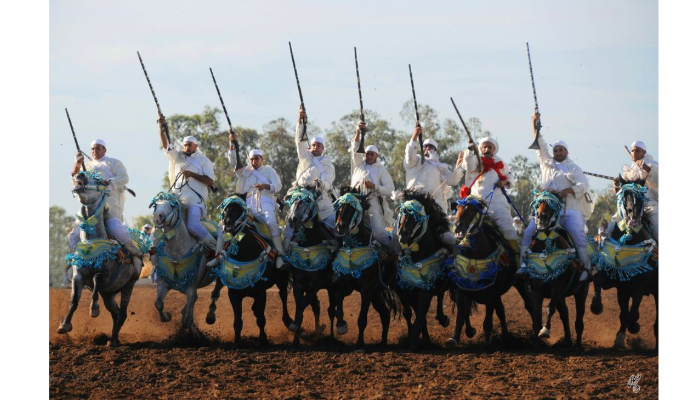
point(279, 147)
point(526, 179)
point(60, 226)
point(605, 207)
point(141, 220)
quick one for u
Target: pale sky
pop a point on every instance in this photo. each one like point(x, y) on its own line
point(595, 65)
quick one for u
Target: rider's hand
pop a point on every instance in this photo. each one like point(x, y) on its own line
point(370, 185)
point(459, 159)
point(302, 115)
point(417, 131)
point(79, 158)
point(361, 126)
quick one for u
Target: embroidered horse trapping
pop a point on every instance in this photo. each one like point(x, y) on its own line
point(242, 274)
point(91, 254)
point(476, 274)
point(546, 266)
point(421, 275)
point(310, 259)
point(623, 262)
point(210, 226)
point(179, 274)
point(354, 260)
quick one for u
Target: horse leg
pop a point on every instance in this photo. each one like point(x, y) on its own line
point(623, 302)
point(564, 316)
point(656, 323)
point(440, 316)
point(160, 296)
point(114, 311)
point(419, 325)
point(331, 309)
point(550, 310)
point(211, 315)
point(316, 308)
point(596, 302)
point(524, 290)
point(94, 304)
point(188, 310)
point(461, 301)
point(300, 301)
point(341, 325)
point(237, 305)
point(536, 315)
point(384, 316)
point(470, 332)
point(366, 298)
point(76, 291)
point(633, 324)
point(283, 293)
point(259, 302)
point(488, 322)
point(580, 298)
point(501, 313)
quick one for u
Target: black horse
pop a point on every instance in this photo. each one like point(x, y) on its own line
point(310, 258)
point(554, 270)
point(482, 271)
point(246, 267)
point(420, 270)
point(359, 267)
point(629, 261)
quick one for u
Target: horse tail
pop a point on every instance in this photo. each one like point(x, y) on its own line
point(390, 298)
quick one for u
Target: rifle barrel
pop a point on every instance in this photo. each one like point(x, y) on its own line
point(599, 175)
point(75, 139)
point(415, 105)
point(361, 147)
point(160, 113)
point(301, 97)
point(239, 163)
point(478, 156)
point(535, 145)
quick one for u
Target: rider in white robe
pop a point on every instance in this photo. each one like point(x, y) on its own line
point(563, 177)
point(372, 178)
point(113, 171)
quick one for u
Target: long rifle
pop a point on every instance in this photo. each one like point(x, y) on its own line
point(415, 105)
point(165, 127)
point(361, 148)
point(301, 97)
point(74, 138)
point(471, 141)
point(239, 164)
point(599, 175)
point(535, 145)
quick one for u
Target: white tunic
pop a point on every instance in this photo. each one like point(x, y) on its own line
point(194, 193)
point(114, 170)
point(635, 172)
point(563, 175)
point(307, 171)
point(384, 186)
point(428, 177)
point(249, 177)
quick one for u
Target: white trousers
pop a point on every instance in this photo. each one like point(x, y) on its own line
point(114, 227)
point(268, 217)
point(500, 215)
point(652, 210)
point(377, 220)
point(572, 221)
point(194, 226)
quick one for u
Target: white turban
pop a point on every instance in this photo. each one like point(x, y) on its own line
point(430, 142)
point(190, 139)
point(147, 226)
point(640, 145)
point(103, 144)
point(256, 152)
point(318, 139)
point(490, 140)
point(560, 143)
point(373, 148)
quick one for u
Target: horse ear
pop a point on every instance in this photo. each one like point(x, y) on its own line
point(242, 195)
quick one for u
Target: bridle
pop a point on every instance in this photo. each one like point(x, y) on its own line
point(349, 199)
point(553, 203)
point(305, 196)
point(476, 223)
point(239, 223)
point(415, 210)
point(175, 212)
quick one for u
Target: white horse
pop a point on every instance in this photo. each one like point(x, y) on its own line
point(95, 262)
point(179, 258)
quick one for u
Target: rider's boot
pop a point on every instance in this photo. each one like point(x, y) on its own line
point(583, 256)
point(521, 270)
point(219, 248)
point(277, 242)
point(135, 255)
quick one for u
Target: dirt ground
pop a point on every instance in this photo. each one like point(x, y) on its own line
point(155, 362)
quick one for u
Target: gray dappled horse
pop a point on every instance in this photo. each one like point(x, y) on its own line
point(95, 262)
point(179, 258)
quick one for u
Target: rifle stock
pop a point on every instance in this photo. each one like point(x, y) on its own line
point(77, 146)
point(535, 145)
point(239, 164)
point(415, 106)
point(361, 148)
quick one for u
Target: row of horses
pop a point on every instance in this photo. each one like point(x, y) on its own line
point(399, 278)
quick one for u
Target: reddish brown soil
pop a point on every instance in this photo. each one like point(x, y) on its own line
point(155, 362)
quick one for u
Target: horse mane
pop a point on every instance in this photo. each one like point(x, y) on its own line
point(438, 221)
point(363, 198)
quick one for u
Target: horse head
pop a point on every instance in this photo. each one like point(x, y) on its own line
point(302, 206)
point(470, 216)
point(349, 211)
point(631, 199)
point(234, 213)
point(546, 209)
point(89, 186)
point(412, 222)
point(167, 210)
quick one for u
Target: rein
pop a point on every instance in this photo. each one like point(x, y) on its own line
point(475, 225)
point(415, 210)
point(552, 201)
point(176, 207)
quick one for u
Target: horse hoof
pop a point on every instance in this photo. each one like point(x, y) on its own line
point(65, 328)
point(450, 343)
point(444, 321)
point(544, 333)
point(95, 311)
point(320, 328)
point(360, 351)
point(211, 318)
point(619, 341)
point(293, 327)
point(114, 343)
point(596, 307)
point(470, 332)
point(342, 329)
point(165, 317)
point(286, 321)
point(633, 328)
